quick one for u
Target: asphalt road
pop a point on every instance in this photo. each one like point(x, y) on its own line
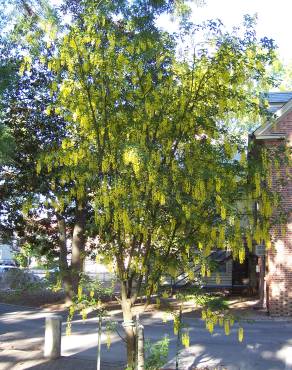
point(267, 343)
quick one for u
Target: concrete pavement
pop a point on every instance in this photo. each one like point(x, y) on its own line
point(21, 360)
point(22, 338)
point(267, 344)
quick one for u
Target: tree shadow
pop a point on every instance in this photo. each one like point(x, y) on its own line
point(260, 350)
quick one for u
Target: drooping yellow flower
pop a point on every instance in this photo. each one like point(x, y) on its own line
point(226, 327)
point(240, 334)
point(185, 339)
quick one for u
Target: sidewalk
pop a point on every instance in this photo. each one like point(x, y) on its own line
point(267, 343)
point(33, 360)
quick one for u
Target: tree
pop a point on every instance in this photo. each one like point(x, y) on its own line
point(285, 72)
point(29, 198)
point(150, 138)
point(26, 198)
point(6, 145)
point(7, 76)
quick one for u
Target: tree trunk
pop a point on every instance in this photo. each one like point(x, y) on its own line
point(63, 263)
point(128, 327)
point(78, 244)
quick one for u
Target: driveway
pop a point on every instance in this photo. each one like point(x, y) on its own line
point(267, 344)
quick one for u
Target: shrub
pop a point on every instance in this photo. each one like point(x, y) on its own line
point(21, 280)
point(156, 353)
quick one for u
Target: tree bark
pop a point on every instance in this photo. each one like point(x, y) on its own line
point(63, 263)
point(78, 244)
point(128, 326)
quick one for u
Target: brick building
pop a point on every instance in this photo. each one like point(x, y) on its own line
point(278, 266)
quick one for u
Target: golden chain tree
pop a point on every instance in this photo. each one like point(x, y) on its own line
point(151, 137)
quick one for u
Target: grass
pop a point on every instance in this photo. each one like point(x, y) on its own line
point(31, 298)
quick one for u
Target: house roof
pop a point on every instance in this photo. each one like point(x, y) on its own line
point(280, 103)
point(279, 97)
point(277, 100)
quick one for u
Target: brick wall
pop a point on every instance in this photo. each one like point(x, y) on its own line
point(279, 257)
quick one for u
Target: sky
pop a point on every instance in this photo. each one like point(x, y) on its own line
point(274, 19)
